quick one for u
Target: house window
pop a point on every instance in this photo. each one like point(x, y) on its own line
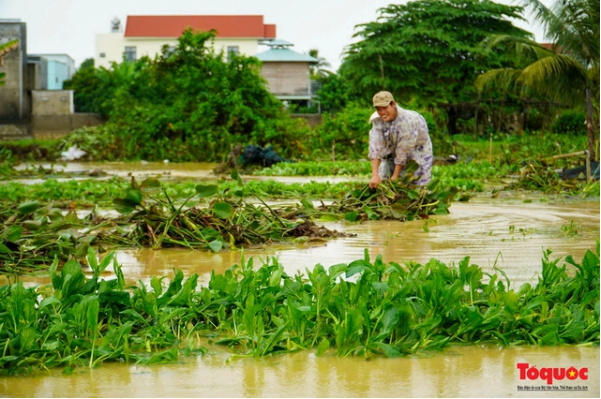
point(102, 55)
point(232, 50)
point(130, 53)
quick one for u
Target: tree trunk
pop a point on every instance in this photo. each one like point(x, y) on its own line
point(499, 117)
point(590, 129)
point(382, 73)
point(476, 118)
point(452, 122)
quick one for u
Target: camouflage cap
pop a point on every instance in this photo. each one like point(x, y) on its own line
point(382, 99)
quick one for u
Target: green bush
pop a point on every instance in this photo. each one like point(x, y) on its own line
point(347, 131)
point(188, 104)
point(99, 142)
point(570, 122)
point(32, 150)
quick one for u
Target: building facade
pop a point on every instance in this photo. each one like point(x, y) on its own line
point(54, 69)
point(146, 35)
point(287, 72)
point(32, 102)
point(15, 103)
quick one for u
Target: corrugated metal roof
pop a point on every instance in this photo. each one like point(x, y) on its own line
point(284, 55)
point(238, 26)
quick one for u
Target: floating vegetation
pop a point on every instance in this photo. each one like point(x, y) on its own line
point(541, 176)
point(34, 234)
point(313, 168)
point(362, 308)
point(8, 171)
point(393, 201)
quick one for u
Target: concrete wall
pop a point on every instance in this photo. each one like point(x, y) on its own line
point(287, 78)
point(53, 116)
point(13, 99)
point(45, 127)
point(15, 131)
point(52, 102)
point(112, 45)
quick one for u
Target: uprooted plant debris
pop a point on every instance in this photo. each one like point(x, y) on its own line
point(34, 233)
point(542, 176)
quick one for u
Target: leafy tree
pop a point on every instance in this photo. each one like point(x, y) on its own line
point(87, 63)
point(567, 73)
point(429, 50)
point(334, 94)
point(190, 103)
point(89, 94)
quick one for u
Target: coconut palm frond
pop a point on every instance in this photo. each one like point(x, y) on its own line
point(572, 75)
point(524, 49)
point(559, 78)
point(575, 29)
point(504, 79)
point(593, 76)
point(319, 70)
point(541, 14)
point(8, 46)
point(547, 69)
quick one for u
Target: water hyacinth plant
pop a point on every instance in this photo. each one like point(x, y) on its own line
point(362, 308)
point(34, 233)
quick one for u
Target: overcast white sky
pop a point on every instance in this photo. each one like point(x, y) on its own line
point(70, 26)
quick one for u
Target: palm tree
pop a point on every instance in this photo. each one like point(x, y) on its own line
point(318, 70)
point(568, 72)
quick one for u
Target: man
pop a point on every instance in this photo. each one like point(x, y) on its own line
point(397, 135)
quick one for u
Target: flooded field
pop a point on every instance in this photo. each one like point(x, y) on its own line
point(510, 232)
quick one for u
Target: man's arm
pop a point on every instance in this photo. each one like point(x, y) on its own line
point(396, 172)
point(375, 176)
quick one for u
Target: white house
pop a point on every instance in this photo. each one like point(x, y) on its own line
point(147, 34)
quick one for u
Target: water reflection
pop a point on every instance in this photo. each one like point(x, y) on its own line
point(471, 371)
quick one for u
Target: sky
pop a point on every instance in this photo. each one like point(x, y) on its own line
point(70, 26)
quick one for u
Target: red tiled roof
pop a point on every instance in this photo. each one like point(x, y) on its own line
point(269, 32)
point(238, 26)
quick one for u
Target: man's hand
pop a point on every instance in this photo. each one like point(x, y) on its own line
point(374, 181)
point(396, 172)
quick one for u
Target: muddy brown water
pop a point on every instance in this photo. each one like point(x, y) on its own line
point(509, 232)
point(456, 372)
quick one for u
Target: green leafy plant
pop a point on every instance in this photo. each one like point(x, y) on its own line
point(364, 308)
